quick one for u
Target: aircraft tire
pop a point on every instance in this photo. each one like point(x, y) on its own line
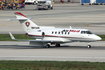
point(57, 45)
point(88, 46)
point(47, 46)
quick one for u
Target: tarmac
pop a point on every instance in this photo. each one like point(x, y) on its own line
point(62, 16)
point(15, 50)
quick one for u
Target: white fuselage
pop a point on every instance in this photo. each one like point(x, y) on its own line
point(64, 34)
point(52, 35)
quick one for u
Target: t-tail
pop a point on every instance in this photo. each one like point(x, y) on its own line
point(27, 24)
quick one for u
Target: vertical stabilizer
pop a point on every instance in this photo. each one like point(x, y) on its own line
point(27, 24)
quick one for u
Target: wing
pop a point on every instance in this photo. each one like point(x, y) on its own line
point(40, 40)
point(47, 41)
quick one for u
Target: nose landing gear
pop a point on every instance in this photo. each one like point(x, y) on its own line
point(88, 46)
point(47, 46)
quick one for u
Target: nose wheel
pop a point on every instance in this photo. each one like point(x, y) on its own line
point(88, 46)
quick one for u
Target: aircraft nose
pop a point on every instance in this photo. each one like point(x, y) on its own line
point(98, 38)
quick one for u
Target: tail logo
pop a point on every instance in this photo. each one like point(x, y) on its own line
point(27, 24)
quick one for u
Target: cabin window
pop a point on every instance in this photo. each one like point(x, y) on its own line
point(65, 32)
point(55, 32)
point(68, 32)
point(62, 32)
point(58, 32)
point(52, 32)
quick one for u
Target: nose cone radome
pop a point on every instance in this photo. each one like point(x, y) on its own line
point(98, 38)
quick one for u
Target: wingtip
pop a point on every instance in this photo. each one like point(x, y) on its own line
point(12, 37)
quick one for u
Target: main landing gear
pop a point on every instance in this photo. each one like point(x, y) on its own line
point(48, 45)
point(57, 45)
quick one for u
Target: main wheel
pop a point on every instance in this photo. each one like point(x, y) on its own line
point(47, 46)
point(57, 45)
point(88, 46)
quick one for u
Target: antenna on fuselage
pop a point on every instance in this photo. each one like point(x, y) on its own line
point(70, 27)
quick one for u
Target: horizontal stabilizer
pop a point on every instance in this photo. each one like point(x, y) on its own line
point(17, 19)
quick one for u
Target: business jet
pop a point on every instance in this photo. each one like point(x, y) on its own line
point(47, 36)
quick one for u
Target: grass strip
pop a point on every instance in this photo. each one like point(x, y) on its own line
point(51, 65)
point(6, 37)
point(103, 37)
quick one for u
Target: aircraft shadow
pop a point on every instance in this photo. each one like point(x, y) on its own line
point(41, 47)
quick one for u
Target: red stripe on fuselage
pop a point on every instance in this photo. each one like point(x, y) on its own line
point(56, 36)
point(35, 35)
point(64, 37)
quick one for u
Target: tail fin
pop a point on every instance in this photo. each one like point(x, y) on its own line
point(27, 24)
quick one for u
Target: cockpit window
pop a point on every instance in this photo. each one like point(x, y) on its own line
point(86, 32)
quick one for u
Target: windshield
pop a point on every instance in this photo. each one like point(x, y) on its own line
point(86, 32)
